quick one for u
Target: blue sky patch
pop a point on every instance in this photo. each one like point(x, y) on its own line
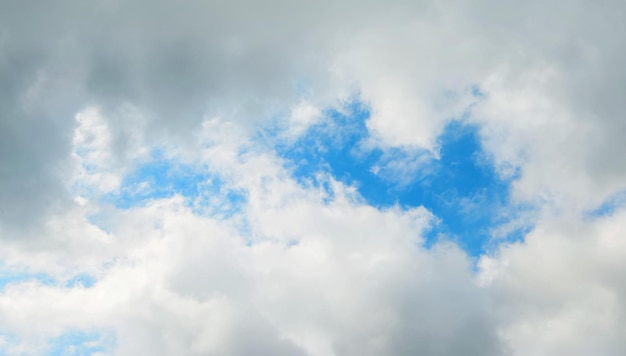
point(461, 187)
point(14, 277)
point(9, 276)
point(81, 280)
point(81, 343)
point(164, 177)
point(609, 206)
point(159, 178)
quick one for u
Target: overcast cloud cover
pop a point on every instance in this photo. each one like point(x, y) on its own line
point(312, 178)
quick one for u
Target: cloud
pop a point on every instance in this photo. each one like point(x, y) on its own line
point(559, 291)
point(228, 250)
point(314, 278)
point(415, 64)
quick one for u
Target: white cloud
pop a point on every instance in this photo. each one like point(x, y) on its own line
point(560, 291)
point(320, 278)
point(298, 269)
point(301, 118)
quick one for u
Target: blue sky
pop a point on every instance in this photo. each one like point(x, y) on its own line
point(460, 187)
point(162, 177)
point(80, 343)
point(8, 277)
point(609, 206)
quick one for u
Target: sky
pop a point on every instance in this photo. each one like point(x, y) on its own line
point(321, 178)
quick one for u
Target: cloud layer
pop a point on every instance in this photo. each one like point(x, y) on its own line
point(151, 200)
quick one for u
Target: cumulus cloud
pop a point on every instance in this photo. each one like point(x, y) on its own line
point(564, 281)
point(314, 278)
point(249, 258)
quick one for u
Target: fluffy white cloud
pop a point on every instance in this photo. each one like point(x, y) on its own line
point(308, 277)
point(560, 291)
point(299, 268)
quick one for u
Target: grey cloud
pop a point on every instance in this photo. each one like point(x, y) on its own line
point(34, 133)
point(178, 61)
point(175, 61)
